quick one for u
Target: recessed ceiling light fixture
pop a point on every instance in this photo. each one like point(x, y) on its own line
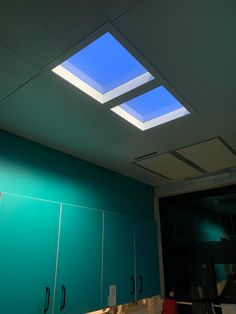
point(151, 109)
point(104, 69)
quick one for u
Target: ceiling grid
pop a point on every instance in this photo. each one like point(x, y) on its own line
point(191, 43)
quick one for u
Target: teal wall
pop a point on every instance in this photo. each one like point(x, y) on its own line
point(34, 170)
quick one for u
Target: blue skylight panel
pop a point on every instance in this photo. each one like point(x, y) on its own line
point(152, 108)
point(152, 104)
point(104, 69)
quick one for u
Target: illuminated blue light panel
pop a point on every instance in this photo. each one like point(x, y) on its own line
point(104, 69)
point(152, 108)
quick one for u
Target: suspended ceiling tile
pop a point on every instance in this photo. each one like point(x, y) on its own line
point(174, 35)
point(106, 160)
point(230, 138)
point(14, 71)
point(113, 8)
point(42, 30)
point(212, 155)
point(168, 166)
point(140, 174)
point(134, 148)
point(149, 178)
point(212, 96)
point(36, 134)
point(170, 136)
point(76, 141)
point(227, 17)
point(46, 103)
point(210, 88)
point(96, 133)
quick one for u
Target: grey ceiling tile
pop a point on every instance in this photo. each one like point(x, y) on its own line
point(147, 177)
point(210, 90)
point(14, 71)
point(230, 138)
point(97, 132)
point(138, 173)
point(92, 140)
point(133, 148)
point(110, 161)
point(42, 30)
point(113, 8)
point(36, 134)
point(181, 132)
point(46, 102)
point(174, 35)
point(227, 17)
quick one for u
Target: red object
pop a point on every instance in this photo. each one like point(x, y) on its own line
point(169, 307)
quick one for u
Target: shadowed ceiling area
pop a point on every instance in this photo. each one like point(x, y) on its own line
point(191, 44)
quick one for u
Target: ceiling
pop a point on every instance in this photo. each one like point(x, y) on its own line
point(192, 44)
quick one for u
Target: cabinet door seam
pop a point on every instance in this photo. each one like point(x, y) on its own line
point(57, 256)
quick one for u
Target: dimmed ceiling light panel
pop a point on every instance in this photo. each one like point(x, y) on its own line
point(168, 166)
point(211, 155)
point(104, 69)
point(151, 109)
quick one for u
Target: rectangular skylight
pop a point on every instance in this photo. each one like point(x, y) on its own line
point(151, 109)
point(104, 69)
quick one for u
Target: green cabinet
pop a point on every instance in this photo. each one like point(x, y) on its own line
point(147, 264)
point(58, 258)
point(130, 261)
point(78, 287)
point(118, 258)
point(28, 246)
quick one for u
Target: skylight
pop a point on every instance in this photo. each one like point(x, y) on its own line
point(151, 109)
point(104, 69)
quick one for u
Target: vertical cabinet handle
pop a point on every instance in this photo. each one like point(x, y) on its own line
point(132, 285)
point(47, 300)
point(63, 297)
point(141, 284)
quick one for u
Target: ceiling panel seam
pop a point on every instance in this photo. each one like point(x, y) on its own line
point(123, 13)
point(78, 121)
point(227, 145)
point(45, 67)
point(204, 62)
point(19, 55)
point(151, 171)
point(19, 87)
point(180, 157)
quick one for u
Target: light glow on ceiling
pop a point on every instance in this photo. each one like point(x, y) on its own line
point(151, 109)
point(104, 69)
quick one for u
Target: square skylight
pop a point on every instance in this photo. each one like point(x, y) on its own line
point(104, 69)
point(151, 109)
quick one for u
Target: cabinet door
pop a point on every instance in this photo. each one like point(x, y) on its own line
point(147, 265)
point(78, 288)
point(118, 258)
point(28, 246)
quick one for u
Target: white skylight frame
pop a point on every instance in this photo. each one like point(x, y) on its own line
point(120, 91)
point(143, 126)
point(170, 117)
point(102, 98)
